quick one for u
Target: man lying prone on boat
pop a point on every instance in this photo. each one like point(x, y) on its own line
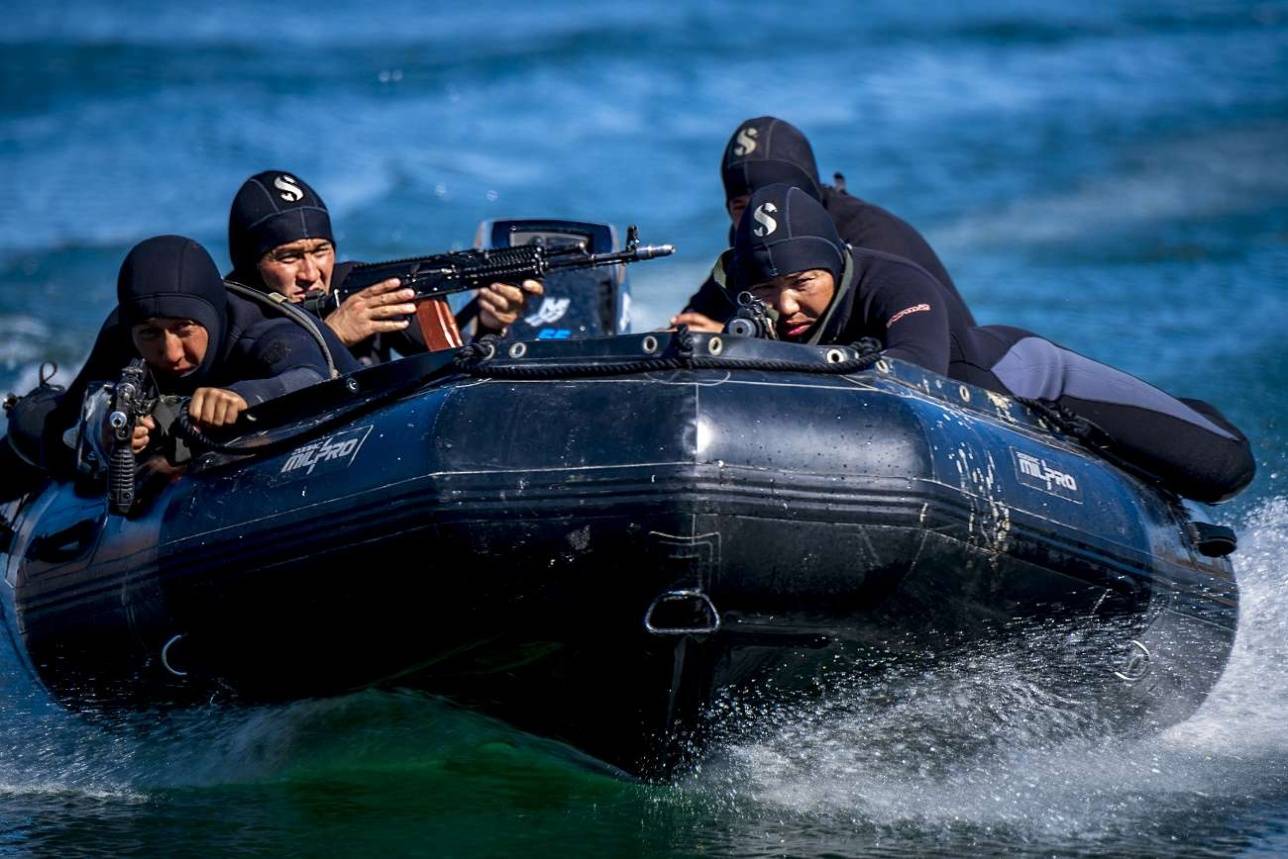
point(765, 150)
point(198, 340)
point(787, 254)
point(280, 241)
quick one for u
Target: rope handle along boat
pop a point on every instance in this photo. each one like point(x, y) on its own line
point(482, 359)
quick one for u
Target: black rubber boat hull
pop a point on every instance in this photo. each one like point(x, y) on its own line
point(597, 559)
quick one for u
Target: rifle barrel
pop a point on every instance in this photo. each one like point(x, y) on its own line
point(444, 274)
point(636, 254)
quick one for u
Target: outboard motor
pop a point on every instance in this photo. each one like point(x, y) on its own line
point(586, 303)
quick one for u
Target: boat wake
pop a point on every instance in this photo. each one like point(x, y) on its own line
point(958, 754)
point(973, 753)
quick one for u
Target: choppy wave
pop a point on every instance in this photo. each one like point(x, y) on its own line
point(965, 755)
point(1211, 176)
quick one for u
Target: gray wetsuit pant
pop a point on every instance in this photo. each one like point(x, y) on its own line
point(1187, 444)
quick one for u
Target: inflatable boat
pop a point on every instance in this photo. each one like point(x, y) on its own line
point(598, 535)
point(597, 538)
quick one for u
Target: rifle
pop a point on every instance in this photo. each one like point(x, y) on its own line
point(754, 318)
point(435, 277)
point(130, 401)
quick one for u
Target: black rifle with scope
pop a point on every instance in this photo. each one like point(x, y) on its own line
point(441, 275)
point(754, 318)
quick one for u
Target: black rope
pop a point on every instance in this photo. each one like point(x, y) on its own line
point(201, 442)
point(189, 432)
point(49, 369)
point(474, 359)
point(477, 351)
point(683, 341)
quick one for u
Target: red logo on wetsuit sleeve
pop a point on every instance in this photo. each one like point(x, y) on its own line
point(916, 308)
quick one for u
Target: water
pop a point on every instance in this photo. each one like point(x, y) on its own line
point(1112, 176)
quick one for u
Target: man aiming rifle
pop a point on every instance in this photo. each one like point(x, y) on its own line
point(280, 241)
point(429, 279)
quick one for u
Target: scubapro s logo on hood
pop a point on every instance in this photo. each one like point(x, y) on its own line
point(291, 192)
point(746, 141)
point(762, 217)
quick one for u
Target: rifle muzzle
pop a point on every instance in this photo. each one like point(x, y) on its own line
point(654, 251)
point(118, 421)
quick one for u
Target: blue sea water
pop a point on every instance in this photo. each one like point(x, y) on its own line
point(1112, 175)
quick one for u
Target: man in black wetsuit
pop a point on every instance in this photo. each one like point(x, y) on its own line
point(766, 150)
point(787, 253)
point(280, 240)
point(199, 340)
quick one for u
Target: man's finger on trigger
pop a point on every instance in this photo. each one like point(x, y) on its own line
point(375, 289)
point(397, 295)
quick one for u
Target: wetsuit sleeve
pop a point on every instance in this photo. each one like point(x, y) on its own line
point(279, 358)
point(908, 308)
point(712, 299)
point(256, 391)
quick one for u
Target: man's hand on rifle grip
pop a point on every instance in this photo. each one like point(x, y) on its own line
point(501, 303)
point(379, 308)
point(142, 433)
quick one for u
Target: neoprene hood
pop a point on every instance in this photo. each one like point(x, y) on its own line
point(784, 230)
point(766, 150)
point(272, 208)
point(174, 277)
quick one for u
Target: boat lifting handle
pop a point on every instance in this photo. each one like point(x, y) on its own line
point(1213, 541)
point(682, 613)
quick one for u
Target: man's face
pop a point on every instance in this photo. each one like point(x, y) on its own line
point(298, 267)
point(737, 206)
point(171, 346)
point(801, 299)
